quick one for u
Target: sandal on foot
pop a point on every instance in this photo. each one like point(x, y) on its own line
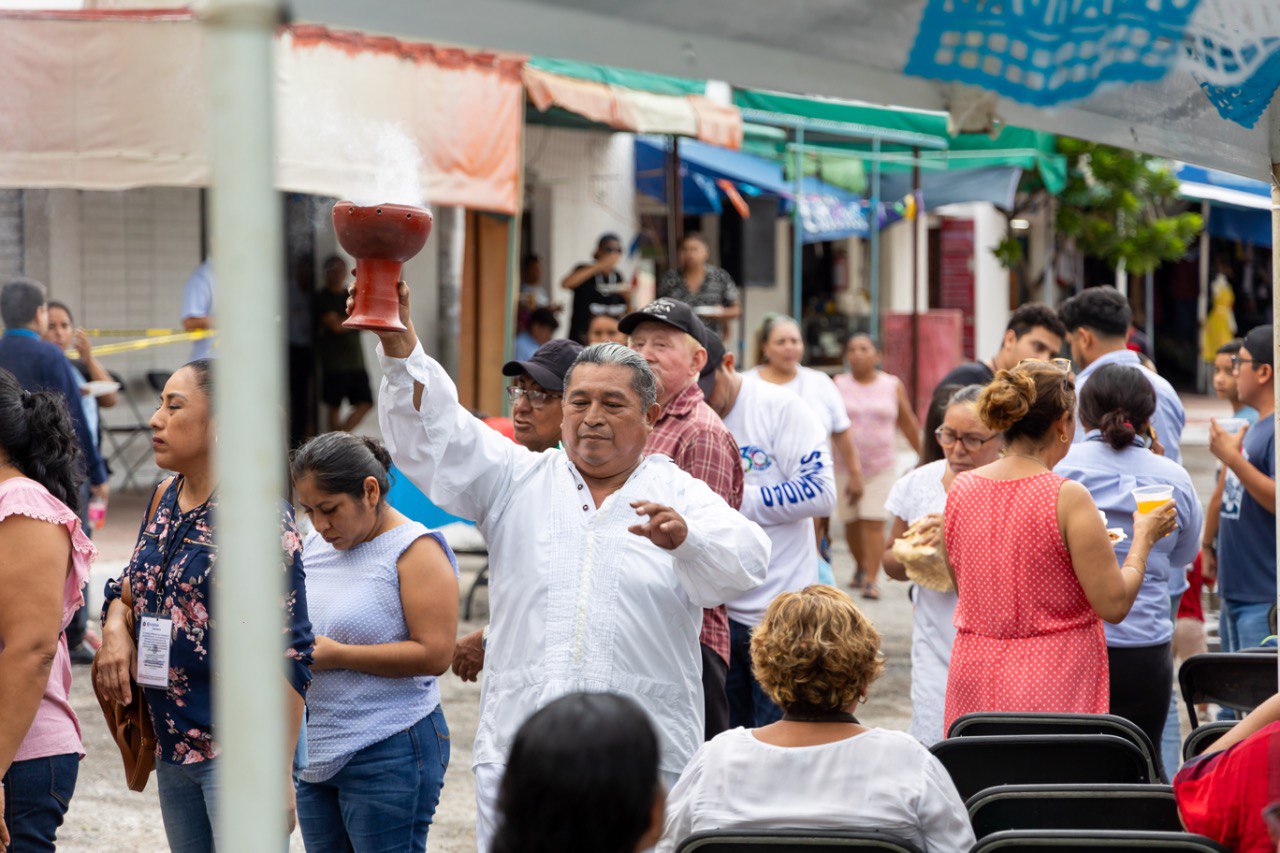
point(871, 592)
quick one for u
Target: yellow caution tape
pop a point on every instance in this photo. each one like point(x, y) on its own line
point(131, 333)
point(147, 343)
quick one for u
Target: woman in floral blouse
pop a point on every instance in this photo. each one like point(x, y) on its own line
point(709, 289)
point(170, 577)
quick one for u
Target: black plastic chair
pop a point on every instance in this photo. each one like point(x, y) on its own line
point(1240, 681)
point(120, 437)
point(1091, 841)
point(1200, 738)
point(1019, 723)
point(1130, 807)
point(978, 763)
point(792, 841)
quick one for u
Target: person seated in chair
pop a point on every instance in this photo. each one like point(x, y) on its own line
point(818, 768)
point(1223, 792)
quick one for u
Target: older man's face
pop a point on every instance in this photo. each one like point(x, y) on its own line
point(605, 423)
point(673, 355)
point(537, 427)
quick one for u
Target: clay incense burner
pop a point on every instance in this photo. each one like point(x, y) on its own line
point(381, 238)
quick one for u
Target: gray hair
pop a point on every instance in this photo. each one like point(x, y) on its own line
point(968, 395)
point(20, 299)
point(643, 381)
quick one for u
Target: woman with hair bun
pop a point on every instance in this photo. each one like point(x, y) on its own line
point(1115, 458)
point(1033, 565)
point(383, 597)
point(46, 562)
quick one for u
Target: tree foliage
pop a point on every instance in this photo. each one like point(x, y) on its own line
point(1117, 206)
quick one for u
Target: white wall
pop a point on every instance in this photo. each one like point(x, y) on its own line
point(580, 184)
point(991, 290)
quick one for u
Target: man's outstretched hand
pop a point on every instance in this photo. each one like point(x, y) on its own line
point(665, 528)
point(394, 344)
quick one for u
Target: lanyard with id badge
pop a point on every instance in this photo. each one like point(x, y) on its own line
point(155, 628)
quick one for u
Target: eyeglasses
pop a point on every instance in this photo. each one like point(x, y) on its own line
point(537, 399)
point(971, 441)
point(1236, 361)
point(1063, 364)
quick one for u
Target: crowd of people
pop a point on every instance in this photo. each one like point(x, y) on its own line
point(666, 651)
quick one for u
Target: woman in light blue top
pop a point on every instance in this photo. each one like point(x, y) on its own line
point(383, 593)
point(1115, 458)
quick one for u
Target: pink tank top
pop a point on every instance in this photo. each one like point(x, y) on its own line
point(55, 730)
point(873, 411)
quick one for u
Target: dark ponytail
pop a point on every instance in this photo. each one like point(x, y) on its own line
point(37, 435)
point(340, 462)
point(1118, 400)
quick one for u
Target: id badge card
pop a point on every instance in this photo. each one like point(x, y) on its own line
point(155, 635)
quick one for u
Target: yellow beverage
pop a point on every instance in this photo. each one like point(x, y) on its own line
point(1145, 507)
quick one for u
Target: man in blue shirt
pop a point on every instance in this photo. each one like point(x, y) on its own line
point(1097, 322)
point(197, 308)
point(40, 366)
point(1247, 531)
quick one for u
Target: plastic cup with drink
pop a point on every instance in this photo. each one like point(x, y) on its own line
point(1231, 425)
point(1150, 497)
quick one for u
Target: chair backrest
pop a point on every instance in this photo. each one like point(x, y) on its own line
point(1238, 680)
point(1093, 841)
point(977, 763)
point(792, 841)
point(1018, 723)
point(157, 378)
point(1133, 807)
point(1200, 738)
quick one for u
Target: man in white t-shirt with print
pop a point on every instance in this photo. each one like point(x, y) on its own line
point(788, 481)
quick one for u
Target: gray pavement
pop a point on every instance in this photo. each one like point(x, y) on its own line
point(105, 815)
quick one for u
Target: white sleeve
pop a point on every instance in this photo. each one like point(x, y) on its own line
point(895, 503)
point(803, 456)
point(832, 399)
point(681, 799)
point(724, 554)
point(463, 466)
point(944, 821)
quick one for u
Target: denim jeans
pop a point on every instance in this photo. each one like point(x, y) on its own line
point(188, 804)
point(383, 799)
point(1243, 624)
point(749, 707)
point(36, 795)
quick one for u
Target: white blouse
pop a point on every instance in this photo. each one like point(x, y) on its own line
point(880, 779)
point(577, 602)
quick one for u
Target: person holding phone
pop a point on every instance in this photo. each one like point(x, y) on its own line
point(598, 288)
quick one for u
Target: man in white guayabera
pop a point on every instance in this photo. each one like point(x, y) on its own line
point(601, 559)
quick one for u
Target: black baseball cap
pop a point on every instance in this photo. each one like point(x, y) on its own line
point(673, 312)
point(715, 355)
point(548, 365)
point(1259, 343)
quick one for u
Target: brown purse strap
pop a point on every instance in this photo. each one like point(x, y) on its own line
point(126, 590)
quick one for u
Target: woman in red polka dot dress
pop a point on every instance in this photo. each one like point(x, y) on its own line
point(1033, 566)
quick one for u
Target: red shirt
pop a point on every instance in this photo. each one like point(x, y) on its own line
point(1222, 794)
point(698, 442)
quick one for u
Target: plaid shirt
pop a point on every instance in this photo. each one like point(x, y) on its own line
point(696, 440)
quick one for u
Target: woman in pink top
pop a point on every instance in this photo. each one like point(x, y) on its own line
point(878, 407)
point(1033, 566)
point(46, 559)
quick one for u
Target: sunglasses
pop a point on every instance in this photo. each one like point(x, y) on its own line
point(537, 399)
point(972, 442)
point(1063, 364)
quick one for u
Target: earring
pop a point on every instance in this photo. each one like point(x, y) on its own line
point(1063, 438)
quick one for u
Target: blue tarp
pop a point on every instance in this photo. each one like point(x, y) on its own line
point(1239, 208)
point(829, 213)
point(1245, 226)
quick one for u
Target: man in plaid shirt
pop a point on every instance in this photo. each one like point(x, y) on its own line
point(671, 338)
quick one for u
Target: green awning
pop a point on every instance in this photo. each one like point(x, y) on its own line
point(1013, 146)
point(641, 81)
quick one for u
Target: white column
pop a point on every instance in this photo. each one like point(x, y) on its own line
point(248, 650)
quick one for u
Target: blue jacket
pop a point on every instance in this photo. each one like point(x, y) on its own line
point(41, 366)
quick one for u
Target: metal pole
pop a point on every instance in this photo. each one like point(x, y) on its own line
point(797, 232)
point(512, 296)
point(915, 282)
point(1149, 307)
point(1049, 278)
point(675, 204)
point(248, 651)
point(1202, 298)
point(875, 242)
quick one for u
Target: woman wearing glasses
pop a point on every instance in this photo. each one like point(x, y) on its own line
point(922, 494)
point(1115, 458)
point(1032, 562)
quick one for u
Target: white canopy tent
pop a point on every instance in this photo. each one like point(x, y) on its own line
point(1134, 74)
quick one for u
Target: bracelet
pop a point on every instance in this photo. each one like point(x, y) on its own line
point(1141, 570)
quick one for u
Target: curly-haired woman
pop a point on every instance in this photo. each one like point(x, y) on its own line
point(816, 655)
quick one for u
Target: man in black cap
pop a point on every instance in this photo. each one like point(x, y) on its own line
point(598, 288)
point(537, 411)
point(672, 340)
